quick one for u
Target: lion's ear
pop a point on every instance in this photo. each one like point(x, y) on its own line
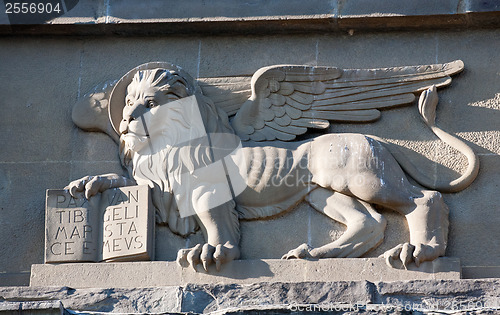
point(90, 113)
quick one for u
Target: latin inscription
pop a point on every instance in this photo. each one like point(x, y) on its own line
point(120, 221)
point(71, 233)
point(109, 226)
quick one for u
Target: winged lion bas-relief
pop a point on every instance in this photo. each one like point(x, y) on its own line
point(209, 171)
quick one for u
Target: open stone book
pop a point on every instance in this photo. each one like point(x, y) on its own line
point(116, 225)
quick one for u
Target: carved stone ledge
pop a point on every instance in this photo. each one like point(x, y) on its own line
point(162, 273)
point(284, 16)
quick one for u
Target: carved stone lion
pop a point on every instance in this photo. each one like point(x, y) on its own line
point(172, 135)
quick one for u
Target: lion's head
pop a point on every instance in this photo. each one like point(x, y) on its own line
point(153, 110)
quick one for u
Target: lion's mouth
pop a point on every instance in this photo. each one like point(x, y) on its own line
point(133, 142)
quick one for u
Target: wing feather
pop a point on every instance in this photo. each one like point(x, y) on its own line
point(297, 105)
point(311, 123)
point(367, 92)
point(285, 100)
point(380, 102)
point(283, 120)
point(292, 112)
point(349, 116)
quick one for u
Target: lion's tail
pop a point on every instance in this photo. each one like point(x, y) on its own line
point(427, 108)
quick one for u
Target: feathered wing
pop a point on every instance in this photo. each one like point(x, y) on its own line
point(285, 100)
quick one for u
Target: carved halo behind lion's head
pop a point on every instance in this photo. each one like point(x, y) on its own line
point(119, 93)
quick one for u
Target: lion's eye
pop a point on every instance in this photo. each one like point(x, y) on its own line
point(151, 104)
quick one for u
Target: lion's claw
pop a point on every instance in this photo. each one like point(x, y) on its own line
point(89, 186)
point(303, 251)
point(407, 253)
point(193, 257)
point(207, 255)
point(402, 252)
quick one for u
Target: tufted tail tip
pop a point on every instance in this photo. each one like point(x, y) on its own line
point(427, 105)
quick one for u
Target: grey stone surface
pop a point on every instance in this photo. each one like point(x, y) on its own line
point(353, 297)
point(157, 9)
point(40, 106)
point(256, 53)
point(253, 231)
point(32, 307)
point(467, 224)
point(147, 300)
point(466, 294)
point(151, 274)
point(478, 272)
point(15, 278)
point(397, 7)
point(21, 223)
point(482, 5)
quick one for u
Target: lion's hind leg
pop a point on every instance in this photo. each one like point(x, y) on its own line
point(365, 226)
point(428, 224)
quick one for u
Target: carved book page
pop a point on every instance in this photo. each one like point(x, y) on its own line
point(71, 228)
point(128, 226)
point(117, 225)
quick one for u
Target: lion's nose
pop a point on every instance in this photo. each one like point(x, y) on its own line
point(124, 125)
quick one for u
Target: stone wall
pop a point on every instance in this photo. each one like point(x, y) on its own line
point(341, 297)
point(43, 76)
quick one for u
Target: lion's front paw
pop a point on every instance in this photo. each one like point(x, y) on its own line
point(207, 255)
point(303, 251)
point(407, 253)
point(89, 186)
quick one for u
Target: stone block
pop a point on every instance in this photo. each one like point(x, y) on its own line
point(354, 297)
point(130, 10)
point(152, 274)
point(278, 296)
point(32, 307)
point(444, 295)
point(116, 300)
